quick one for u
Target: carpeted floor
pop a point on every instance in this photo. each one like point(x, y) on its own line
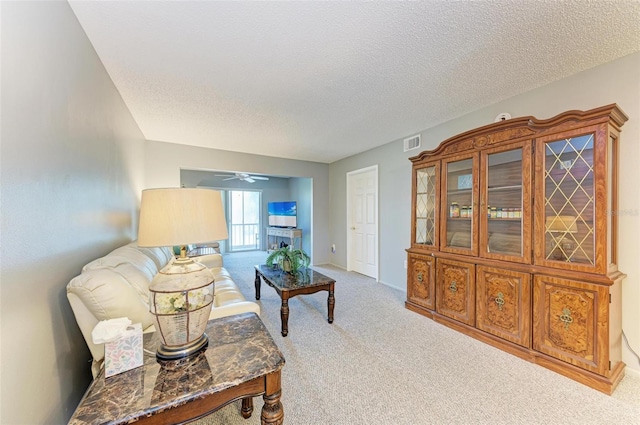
point(380, 363)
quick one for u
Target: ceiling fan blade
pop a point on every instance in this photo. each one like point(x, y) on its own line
point(241, 176)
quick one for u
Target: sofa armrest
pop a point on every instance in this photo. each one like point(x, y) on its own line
point(86, 322)
point(210, 261)
point(234, 308)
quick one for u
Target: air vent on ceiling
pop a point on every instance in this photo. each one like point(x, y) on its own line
point(412, 142)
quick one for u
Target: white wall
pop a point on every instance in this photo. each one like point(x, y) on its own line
point(302, 193)
point(614, 82)
point(71, 173)
point(163, 162)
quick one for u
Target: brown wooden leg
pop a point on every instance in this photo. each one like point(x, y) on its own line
point(331, 302)
point(257, 284)
point(272, 411)
point(284, 316)
point(247, 407)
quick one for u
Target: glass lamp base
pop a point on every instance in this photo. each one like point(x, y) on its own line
point(173, 353)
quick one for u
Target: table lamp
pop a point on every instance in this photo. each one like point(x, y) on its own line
point(559, 226)
point(181, 294)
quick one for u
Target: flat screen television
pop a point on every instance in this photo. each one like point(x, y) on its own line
point(283, 214)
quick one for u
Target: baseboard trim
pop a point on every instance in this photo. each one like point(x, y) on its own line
point(332, 264)
point(401, 289)
point(632, 372)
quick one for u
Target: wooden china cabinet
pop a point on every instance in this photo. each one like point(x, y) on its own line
point(514, 236)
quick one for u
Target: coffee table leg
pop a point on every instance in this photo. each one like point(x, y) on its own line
point(247, 407)
point(272, 411)
point(331, 302)
point(257, 284)
point(284, 316)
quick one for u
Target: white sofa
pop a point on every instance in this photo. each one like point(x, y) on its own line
point(116, 285)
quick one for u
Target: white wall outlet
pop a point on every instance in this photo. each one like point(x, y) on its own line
point(333, 248)
point(405, 264)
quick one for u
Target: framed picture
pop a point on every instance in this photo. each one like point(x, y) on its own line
point(465, 181)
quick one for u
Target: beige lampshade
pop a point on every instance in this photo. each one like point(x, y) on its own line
point(561, 224)
point(181, 216)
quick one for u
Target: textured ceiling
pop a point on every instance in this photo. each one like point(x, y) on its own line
point(321, 81)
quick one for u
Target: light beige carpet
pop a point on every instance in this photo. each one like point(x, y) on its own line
point(379, 363)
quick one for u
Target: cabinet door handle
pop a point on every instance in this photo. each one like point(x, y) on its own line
point(453, 287)
point(566, 318)
point(420, 277)
point(499, 300)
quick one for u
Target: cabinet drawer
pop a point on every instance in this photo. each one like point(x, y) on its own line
point(455, 290)
point(569, 318)
point(421, 282)
point(503, 304)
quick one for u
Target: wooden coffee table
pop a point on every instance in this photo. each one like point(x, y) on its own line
point(240, 362)
point(305, 281)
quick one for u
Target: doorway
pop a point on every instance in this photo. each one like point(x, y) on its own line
point(362, 221)
point(244, 220)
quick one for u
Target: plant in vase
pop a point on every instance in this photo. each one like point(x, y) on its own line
point(289, 260)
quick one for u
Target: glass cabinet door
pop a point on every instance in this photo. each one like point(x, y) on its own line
point(426, 205)
point(506, 199)
point(569, 227)
point(460, 203)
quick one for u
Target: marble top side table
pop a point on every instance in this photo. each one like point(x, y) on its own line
point(240, 362)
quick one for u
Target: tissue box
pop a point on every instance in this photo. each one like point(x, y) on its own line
point(125, 353)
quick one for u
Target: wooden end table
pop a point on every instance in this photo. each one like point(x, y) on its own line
point(241, 361)
point(305, 281)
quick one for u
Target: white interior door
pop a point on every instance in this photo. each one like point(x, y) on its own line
point(362, 221)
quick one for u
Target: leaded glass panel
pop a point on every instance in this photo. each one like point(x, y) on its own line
point(426, 205)
point(570, 200)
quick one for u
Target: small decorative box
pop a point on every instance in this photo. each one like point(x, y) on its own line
point(125, 353)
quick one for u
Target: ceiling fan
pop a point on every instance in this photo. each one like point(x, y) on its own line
point(242, 176)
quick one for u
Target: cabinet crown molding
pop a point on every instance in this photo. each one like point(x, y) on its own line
point(523, 127)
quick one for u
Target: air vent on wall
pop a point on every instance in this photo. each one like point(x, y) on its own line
point(503, 117)
point(412, 142)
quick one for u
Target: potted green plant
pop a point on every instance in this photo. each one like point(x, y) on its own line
point(288, 259)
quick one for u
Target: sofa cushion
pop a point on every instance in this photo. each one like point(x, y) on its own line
point(125, 254)
point(136, 278)
point(227, 297)
point(220, 273)
point(160, 255)
point(108, 295)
